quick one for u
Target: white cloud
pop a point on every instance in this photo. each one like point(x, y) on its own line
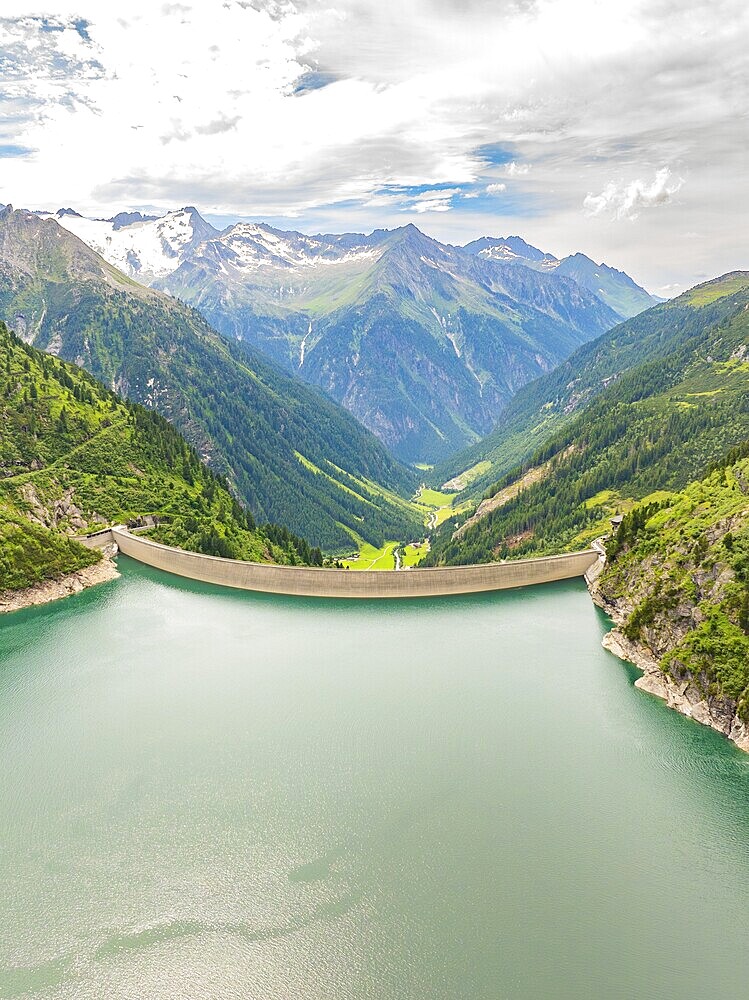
point(626, 201)
point(432, 201)
point(158, 104)
point(495, 188)
point(513, 169)
point(435, 205)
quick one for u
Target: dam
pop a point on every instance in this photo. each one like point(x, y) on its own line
point(305, 581)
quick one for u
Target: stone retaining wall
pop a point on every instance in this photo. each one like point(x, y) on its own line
point(97, 539)
point(308, 582)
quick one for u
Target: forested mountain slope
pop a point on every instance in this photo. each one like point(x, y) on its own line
point(74, 457)
point(422, 342)
point(288, 452)
point(543, 407)
point(676, 582)
point(655, 427)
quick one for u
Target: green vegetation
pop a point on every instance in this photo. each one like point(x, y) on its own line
point(449, 513)
point(432, 508)
point(423, 342)
point(30, 553)
point(543, 408)
point(681, 562)
point(434, 498)
point(464, 479)
point(613, 287)
point(633, 438)
point(74, 457)
point(705, 295)
point(475, 472)
point(413, 553)
point(245, 418)
point(437, 506)
point(370, 557)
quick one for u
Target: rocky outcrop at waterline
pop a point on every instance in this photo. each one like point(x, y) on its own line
point(72, 583)
point(684, 696)
point(676, 583)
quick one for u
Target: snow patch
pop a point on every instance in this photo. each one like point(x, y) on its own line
point(145, 250)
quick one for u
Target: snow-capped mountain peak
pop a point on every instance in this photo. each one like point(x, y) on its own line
point(513, 249)
point(144, 247)
point(253, 245)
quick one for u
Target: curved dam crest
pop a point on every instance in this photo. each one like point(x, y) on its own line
point(304, 581)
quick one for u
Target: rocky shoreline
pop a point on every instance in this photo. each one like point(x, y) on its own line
point(53, 590)
point(682, 696)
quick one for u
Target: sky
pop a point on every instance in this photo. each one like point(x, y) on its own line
point(618, 128)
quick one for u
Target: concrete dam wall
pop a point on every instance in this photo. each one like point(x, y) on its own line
point(305, 581)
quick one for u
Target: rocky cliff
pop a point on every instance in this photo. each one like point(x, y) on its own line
point(676, 583)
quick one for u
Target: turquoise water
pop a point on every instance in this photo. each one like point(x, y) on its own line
point(212, 794)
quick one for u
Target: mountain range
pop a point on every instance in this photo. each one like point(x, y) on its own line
point(647, 407)
point(613, 287)
point(289, 453)
point(423, 342)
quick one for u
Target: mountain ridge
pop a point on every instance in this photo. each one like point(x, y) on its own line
point(614, 287)
point(596, 444)
point(544, 406)
point(459, 319)
point(388, 317)
point(247, 419)
point(74, 456)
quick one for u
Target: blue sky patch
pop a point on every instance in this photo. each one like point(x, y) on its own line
point(48, 24)
point(495, 154)
point(507, 203)
point(81, 27)
point(414, 190)
point(314, 80)
point(9, 150)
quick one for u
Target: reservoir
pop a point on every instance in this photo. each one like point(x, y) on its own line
point(209, 794)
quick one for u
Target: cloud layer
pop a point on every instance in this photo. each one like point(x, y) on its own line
point(557, 119)
point(626, 201)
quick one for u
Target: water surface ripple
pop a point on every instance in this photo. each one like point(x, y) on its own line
point(209, 794)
